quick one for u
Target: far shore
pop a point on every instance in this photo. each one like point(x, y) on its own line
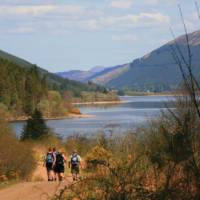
point(76, 116)
point(121, 101)
point(98, 103)
point(69, 116)
point(150, 94)
point(161, 94)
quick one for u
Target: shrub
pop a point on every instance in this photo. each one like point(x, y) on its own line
point(16, 158)
point(81, 143)
point(97, 155)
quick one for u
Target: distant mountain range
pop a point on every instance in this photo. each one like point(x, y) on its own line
point(79, 75)
point(156, 71)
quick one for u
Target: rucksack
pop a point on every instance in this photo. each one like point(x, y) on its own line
point(59, 159)
point(74, 159)
point(49, 158)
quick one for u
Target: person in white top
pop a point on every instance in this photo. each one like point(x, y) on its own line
point(75, 164)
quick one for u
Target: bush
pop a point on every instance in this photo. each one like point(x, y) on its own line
point(16, 158)
point(97, 155)
point(80, 143)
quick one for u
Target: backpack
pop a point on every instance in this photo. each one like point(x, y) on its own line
point(74, 159)
point(49, 158)
point(59, 159)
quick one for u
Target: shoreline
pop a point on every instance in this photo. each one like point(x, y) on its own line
point(120, 101)
point(151, 94)
point(70, 116)
point(98, 103)
point(77, 116)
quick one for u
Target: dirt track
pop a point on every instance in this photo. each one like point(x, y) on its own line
point(37, 189)
point(32, 190)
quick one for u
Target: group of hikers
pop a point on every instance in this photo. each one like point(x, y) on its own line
point(55, 164)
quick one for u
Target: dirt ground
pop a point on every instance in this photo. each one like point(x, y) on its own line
point(32, 190)
point(38, 189)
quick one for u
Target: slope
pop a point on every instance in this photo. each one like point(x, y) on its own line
point(156, 71)
point(54, 81)
point(79, 75)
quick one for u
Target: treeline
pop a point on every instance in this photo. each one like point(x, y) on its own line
point(23, 89)
point(98, 96)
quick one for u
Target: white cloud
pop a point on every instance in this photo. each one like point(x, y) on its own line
point(156, 17)
point(128, 21)
point(121, 4)
point(154, 2)
point(92, 24)
point(67, 17)
point(40, 9)
point(126, 4)
point(18, 30)
point(124, 38)
point(24, 10)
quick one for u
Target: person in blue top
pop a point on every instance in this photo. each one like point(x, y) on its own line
point(75, 164)
point(49, 162)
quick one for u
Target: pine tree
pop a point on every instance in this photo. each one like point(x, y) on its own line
point(35, 127)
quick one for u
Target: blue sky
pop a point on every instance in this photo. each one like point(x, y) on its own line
point(61, 35)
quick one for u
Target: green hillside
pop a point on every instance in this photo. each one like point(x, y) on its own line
point(54, 81)
point(9, 57)
point(25, 87)
point(156, 71)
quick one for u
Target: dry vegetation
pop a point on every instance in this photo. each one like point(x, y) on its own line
point(159, 162)
point(16, 158)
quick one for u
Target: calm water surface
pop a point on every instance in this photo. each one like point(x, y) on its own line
point(136, 111)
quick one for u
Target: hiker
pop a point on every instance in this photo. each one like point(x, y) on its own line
point(60, 165)
point(74, 163)
point(49, 162)
point(54, 168)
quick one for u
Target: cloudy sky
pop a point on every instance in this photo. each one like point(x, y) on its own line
point(61, 35)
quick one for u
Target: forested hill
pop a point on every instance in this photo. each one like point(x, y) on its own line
point(54, 81)
point(25, 87)
point(20, 89)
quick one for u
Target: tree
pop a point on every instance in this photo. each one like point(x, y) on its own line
point(35, 127)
